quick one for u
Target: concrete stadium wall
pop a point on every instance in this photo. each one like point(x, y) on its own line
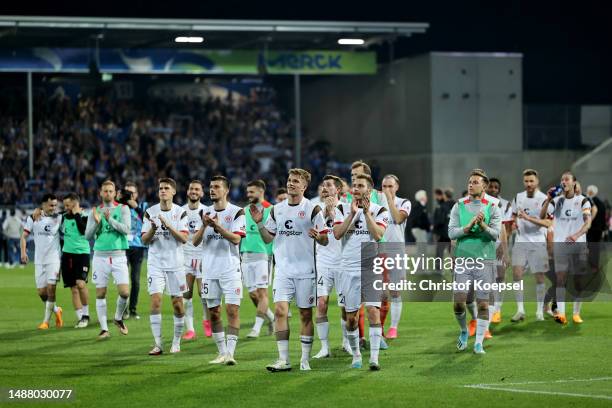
point(367, 117)
point(427, 138)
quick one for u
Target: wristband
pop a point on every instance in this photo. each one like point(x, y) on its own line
point(260, 225)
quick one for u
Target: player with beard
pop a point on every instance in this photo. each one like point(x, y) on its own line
point(192, 257)
point(529, 249)
point(256, 259)
point(571, 213)
point(110, 224)
point(327, 266)
point(357, 223)
point(47, 253)
point(222, 230)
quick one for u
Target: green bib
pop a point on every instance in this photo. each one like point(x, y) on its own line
point(477, 244)
point(253, 241)
point(107, 238)
point(74, 241)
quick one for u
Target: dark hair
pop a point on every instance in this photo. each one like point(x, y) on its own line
point(48, 197)
point(281, 190)
point(530, 172)
point(438, 191)
point(448, 193)
point(570, 173)
point(337, 181)
point(168, 180)
point(73, 197)
point(131, 184)
point(257, 183)
point(197, 182)
point(494, 180)
point(219, 177)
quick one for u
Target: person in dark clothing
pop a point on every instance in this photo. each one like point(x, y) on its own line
point(136, 251)
point(441, 217)
point(599, 225)
point(418, 224)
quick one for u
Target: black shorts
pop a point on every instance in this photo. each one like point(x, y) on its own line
point(74, 267)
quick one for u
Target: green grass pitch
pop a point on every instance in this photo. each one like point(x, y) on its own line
point(527, 364)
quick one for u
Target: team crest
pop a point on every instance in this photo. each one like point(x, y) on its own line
point(228, 218)
point(301, 214)
point(237, 291)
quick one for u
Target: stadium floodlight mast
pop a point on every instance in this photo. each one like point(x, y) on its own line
point(184, 39)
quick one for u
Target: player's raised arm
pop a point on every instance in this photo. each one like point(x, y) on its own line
point(182, 235)
point(343, 222)
point(148, 229)
point(265, 233)
point(93, 223)
point(198, 236)
point(548, 205)
point(238, 228)
point(586, 217)
point(319, 232)
point(124, 225)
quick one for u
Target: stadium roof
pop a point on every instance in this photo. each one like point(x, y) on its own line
point(112, 32)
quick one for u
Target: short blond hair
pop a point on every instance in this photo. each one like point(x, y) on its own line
point(107, 183)
point(301, 173)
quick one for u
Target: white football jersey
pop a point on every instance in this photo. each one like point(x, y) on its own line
point(528, 231)
point(357, 234)
point(329, 256)
point(220, 257)
point(165, 252)
point(567, 213)
point(396, 232)
point(194, 223)
point(293, 248)
point(46, 235)
point(505, 208)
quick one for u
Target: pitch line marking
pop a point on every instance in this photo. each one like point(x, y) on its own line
point(497, 387)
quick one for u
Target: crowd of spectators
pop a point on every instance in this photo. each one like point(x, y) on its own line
point(79, 143)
